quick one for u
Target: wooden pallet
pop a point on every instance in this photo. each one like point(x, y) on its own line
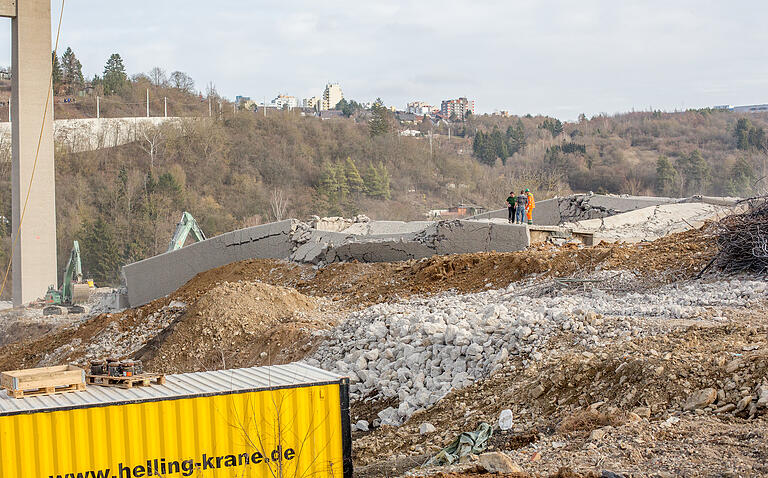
point(75, 387)
point(143, 380)
point(43, 381)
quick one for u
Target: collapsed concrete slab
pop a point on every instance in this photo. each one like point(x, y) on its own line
point(299, 242)
point(579, 207)
point(160, 275)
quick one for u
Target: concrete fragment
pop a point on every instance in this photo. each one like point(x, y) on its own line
point(700, 399)
point(497, 462)
point(426, 428)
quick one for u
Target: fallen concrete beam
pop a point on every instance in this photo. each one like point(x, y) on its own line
point(161, 275)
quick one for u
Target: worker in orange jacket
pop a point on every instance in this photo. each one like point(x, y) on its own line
point(530, 205)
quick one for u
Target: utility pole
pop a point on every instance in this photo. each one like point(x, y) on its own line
point(98, 108)
point(147, 102)
point(430, 143)
point(210, 110)
point(165, 101)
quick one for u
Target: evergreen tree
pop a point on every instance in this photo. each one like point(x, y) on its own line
point(72, 72)
point(101, 253)
point(377, 181)
point(354, 180)
point(329, 183)
point(665, 176)
point(56, 73)
point(516, 137)
point(695, 171)
point(379, 122)
point(115, 77)
point(554, 126)
point(741, 133)
point(342, 187)
point(498, 146)
point(740, 179)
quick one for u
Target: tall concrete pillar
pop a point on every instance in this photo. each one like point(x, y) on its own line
point(34, 255)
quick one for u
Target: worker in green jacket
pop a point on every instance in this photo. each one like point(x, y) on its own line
point(511, 200)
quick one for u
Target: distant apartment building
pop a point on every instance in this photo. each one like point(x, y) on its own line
point(313, 102)
point(750, 109)
point(242, 99)
point(419, 108)
point(284, 101)
point(458, 107)
point(331, 96)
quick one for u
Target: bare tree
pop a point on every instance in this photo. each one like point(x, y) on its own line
point(153, 137)
point(182, 81)
point(157, 77)
point(279, 204)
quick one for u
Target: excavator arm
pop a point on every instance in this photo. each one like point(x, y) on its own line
point(72, 274)
point(186, 225)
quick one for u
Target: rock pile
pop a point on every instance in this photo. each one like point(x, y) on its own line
point(420, 349)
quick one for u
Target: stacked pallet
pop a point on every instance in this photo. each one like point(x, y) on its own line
point(43, 381)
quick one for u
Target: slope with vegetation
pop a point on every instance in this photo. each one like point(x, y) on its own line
point(238, 168)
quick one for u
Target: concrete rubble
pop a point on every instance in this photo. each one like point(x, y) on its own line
point(329, 240)
point(420, 349)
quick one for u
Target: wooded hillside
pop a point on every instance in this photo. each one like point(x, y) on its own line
point(243, 169)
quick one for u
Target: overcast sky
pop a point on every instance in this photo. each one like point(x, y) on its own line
point(527, 56)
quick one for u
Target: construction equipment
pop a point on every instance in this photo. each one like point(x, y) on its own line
point(73, 289)
point(183, 228)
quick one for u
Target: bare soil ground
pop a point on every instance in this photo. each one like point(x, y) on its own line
point(577, 412)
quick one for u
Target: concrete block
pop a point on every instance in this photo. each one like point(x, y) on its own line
point(459, 237)
point(161, 275)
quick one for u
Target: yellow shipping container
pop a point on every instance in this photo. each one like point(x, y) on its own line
point(280, 421)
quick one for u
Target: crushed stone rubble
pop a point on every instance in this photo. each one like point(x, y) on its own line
point(420, 349)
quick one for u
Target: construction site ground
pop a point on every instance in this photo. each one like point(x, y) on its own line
point(579, 410)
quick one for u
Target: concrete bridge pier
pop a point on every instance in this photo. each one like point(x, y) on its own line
point(34, 254)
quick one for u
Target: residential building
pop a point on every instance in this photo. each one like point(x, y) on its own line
point(458, 108)
point(331, 96)
point(242, 99)
point(419, 108)
point(313, 102)
point(284, 101)
point(331, 114)
point(750, 109)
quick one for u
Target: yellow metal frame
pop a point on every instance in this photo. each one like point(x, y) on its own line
point(290, 432)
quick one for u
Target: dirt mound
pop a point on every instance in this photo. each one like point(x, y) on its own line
point(237, 325)
point(354, 285)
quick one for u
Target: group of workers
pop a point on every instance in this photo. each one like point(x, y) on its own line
point(521, 207)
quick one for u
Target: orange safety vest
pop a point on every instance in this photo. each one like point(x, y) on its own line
point(531, 206)
point(531, 202)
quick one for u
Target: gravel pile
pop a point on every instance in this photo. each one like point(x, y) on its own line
point(420, 349)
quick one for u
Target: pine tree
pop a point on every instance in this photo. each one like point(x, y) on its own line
point(115, 77)
point(498, 147)
point(695, 171)
point(379, 122)
point(342, 187)
point(72, 72)
point(56, 73)
point(741, 178)
point(329, 183)
point(376, 180)
point(665, 176)
point(354, 180)
point(101, 253)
